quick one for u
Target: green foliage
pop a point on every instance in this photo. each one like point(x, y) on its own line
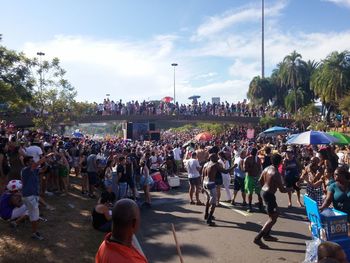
point(344, 105)
point(331, 80)
point(16, 81)
point(260, 91)
point(267, 121)
point(54, 96)
point(289, 100)
point(185, 128)
point(213, 128)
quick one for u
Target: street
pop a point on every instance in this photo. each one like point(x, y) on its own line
point(230, 241)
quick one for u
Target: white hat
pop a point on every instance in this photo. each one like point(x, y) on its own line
point(14, 185)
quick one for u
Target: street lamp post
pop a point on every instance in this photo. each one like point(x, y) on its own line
point(174, 65)
point(262, 39)
point(41, 54)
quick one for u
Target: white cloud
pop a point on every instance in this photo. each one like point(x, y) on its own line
point(219, 23)
point(340, 2)
point(131, 70)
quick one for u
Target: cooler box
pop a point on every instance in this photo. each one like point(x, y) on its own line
point(334, 222)
point(174, 181)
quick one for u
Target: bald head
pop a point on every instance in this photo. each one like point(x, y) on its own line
point(125, 216)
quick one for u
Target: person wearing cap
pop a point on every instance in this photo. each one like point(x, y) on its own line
point(291, 175)
point(11, 206)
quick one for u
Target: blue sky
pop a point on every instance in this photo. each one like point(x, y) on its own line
point(125, 47)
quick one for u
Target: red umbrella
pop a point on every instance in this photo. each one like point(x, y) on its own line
point(167, 99)
point(204, 136)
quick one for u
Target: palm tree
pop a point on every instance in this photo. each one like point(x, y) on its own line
point(331, 80)
point(292, 96)
point(276, 81)
point(260, 91)
point(293, 73)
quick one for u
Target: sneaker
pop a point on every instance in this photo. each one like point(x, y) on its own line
point(49, 193)
point(37, 236)
point(244, 204)
point(42, 219)
point(50, 208)
point(250, 209)
point(233, 203)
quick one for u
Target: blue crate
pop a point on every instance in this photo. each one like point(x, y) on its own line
point(334, 224)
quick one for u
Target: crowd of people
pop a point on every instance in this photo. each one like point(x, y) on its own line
point(243, 109)
point(34, 164)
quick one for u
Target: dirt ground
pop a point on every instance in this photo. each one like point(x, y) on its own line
point(68, 233)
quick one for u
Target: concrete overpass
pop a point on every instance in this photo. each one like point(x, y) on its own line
point(162, 121)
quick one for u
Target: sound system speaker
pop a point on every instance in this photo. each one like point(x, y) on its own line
point(152, 126)
point(129, 130)
point(154, 136)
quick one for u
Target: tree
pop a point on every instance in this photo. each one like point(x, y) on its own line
point(260, 91)
point(331, 80)
point(278, 85)
point(344, 105)
point(16, 81)
point(54, 97)
point(292, 97)
point(293, 73)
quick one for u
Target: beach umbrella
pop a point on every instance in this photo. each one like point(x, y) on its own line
point(313, 138)
point(274, 131)
point(77, 134)
point(167, 99)
point(204, 136)
point(194, 98)
point(343, 139)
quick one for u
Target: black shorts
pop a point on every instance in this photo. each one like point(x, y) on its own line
point(270, 201)
point(238, 184)
point(291, 182)
point(92, 178)
point(195, 181)
point(131, 183)
point(218, 179)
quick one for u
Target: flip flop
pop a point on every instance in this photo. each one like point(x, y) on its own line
point(200, 203)
point(192, 203)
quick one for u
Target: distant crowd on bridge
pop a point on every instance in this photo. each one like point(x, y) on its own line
point(224, 109)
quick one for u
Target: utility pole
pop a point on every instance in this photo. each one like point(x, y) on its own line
point(262, 40)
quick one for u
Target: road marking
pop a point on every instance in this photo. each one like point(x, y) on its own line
point(243, 213)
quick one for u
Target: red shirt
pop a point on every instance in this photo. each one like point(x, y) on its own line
point(112, 252)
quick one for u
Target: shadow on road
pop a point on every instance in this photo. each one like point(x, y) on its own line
point(156, 224)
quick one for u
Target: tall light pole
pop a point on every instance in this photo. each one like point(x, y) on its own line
point(41, 54)
point(262, 40)
point(174, 65)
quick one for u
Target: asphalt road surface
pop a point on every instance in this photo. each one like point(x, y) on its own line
point(230, 241)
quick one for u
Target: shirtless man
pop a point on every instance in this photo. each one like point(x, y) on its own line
point(210, 170)
point(271, 181)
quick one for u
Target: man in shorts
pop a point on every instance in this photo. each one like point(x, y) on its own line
point(193, 167)
point(30, 191)
point(210, 170)
point(238, 184)
point(271, 181)
point(252, 167)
